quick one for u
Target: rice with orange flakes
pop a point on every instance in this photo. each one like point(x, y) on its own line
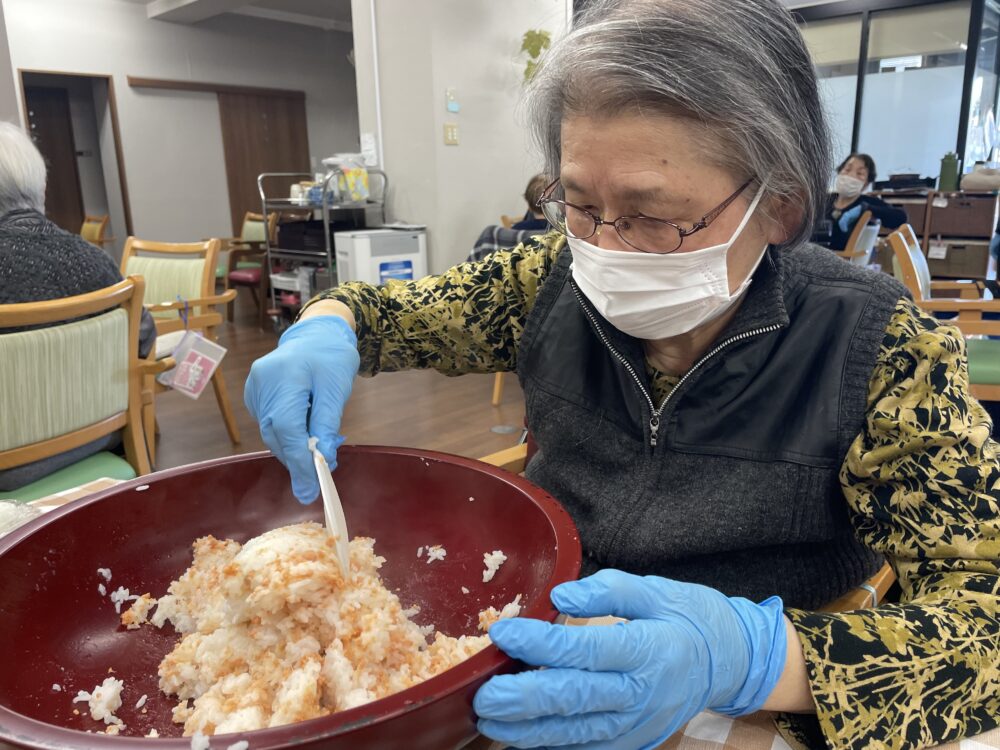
point(272, 635)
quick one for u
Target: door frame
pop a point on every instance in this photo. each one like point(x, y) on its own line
point(115, 130)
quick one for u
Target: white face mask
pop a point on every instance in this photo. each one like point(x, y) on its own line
point(848, 186)
point(652, 296)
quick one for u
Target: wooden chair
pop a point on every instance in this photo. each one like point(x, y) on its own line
point(497, 389)
point(860, 244)
point(868, 594)
point(93, 229)
point(185, 271)
point(910, 267)
point(245, 259)
point(73, 381)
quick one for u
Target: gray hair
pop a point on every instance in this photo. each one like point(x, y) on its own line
point(739, 68)
point(22, 171)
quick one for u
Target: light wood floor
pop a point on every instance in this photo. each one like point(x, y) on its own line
point(417, 409)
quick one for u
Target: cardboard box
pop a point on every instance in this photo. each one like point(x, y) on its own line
point(962, 259)
point(963, 215)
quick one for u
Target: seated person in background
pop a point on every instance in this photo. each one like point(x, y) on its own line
point(534, 219)
point(496, 237)
point(848, 202)
point(40, 261)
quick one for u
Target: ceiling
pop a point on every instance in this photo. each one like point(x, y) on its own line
point(332, 15)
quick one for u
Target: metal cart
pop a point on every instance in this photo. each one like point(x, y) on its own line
point(358, 214)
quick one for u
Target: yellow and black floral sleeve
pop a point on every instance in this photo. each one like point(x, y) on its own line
point(468, 319)
point(922, 484)
point(921, 481)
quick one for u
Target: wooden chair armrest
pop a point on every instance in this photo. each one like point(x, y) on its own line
point(216, 299)
point(867, 595)
point(156, 366)
point(956, 304)
point(955, 285)
point(512, 459)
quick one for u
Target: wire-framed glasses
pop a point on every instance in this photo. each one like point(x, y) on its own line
point(644, 233)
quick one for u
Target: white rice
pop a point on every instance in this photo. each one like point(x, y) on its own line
point(420, 551)
point(103, 700)
point(102, 590)
point(199, 742)
point(492, 560)
point(57, 687)
point(153, 733)
point(121, 595)
point(471, 499)
point(141, 702)
point(260, 648)
point(465, 590)
point(490, 615)
point(105, 573)
point(435, 552)
point(511, 609)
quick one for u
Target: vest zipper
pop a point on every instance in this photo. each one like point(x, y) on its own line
point(654, 419)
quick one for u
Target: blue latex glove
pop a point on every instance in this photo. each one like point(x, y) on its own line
point(310, 373)
point(631, 685)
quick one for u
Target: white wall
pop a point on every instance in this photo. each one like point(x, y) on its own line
point(9, 108)
point(171, 140)
point(425, 47)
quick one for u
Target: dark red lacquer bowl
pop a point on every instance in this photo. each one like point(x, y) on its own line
point(55, 628)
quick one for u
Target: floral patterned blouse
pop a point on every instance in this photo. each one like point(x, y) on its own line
point(921, 482)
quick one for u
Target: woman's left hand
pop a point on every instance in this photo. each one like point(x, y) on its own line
point(631, 685)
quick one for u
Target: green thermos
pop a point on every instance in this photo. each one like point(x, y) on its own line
point(948, 181)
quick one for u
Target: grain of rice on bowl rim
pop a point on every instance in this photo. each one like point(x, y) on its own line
point(272, 633)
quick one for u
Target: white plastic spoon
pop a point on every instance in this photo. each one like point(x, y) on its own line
point(333, 511)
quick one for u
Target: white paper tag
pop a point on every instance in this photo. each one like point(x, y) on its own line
point(197, 358)
point(937, 250)
point(940, 202)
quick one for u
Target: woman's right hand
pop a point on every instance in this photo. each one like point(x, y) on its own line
point(308, 377)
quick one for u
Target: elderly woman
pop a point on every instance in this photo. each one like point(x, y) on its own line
point(855, 176)
point(741, 425)
point(40, 261)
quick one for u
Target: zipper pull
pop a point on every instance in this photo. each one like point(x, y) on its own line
point(654, 427)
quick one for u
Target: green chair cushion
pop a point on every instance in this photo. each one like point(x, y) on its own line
point(99, 465)
point(220, 270)
point(984, 361)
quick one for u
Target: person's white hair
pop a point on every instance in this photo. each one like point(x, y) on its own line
point(738, 69)
point(22, 171)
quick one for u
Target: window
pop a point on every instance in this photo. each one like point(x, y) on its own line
point(912, 98)
point(834, 45)
point(982, 138)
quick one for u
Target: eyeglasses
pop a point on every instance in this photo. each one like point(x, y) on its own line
point(644, 233)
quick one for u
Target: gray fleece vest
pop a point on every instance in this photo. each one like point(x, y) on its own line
point(732, 481)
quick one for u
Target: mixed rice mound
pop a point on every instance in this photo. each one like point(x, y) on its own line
point(273, 634)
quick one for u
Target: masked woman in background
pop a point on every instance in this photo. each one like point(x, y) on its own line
point(854, 177)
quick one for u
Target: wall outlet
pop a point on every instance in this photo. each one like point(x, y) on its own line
point(451, 134)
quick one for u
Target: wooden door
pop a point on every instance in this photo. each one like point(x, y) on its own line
point(52, 130)
point(261, 133)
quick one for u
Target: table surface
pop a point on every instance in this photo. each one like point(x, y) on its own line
point(707, 731)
